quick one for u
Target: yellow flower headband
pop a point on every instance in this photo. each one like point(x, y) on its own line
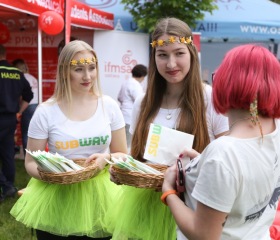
point(172, 39)
point(83, 61)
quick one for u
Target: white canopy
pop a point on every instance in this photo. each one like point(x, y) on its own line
point(242, 19)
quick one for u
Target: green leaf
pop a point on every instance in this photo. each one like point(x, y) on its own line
point(147, 12)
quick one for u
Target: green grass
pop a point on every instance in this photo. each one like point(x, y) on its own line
point(10, 229)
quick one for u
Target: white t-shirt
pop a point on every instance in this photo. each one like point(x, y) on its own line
point(240, 177)
point(130, 90)
point(216, 123)
point(34, 87)
point(76, 139)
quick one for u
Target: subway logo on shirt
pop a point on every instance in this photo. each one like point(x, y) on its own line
point(85, 142)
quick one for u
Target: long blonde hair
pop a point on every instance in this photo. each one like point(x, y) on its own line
point(193, 110)
point(63, 87)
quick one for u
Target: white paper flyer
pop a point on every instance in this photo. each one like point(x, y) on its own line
point(164, 145)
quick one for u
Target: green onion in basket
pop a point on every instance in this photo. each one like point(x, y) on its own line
point(54, 162)
point(132, 164)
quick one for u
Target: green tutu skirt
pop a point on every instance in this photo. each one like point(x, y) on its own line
point(75, 209)
point(139, 214)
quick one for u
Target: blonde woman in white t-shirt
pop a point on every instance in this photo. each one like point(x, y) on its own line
point(78, 122)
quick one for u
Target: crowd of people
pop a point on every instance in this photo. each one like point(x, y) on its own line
point(232, 178)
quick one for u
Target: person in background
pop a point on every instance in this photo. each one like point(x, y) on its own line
point(129, 91)
point(206, 82)
point(175, 98)
point(77, 122)
point(233, 185)
point(13, 87)
point(29, 111)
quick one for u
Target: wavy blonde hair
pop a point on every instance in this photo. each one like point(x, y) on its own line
point(63, 83)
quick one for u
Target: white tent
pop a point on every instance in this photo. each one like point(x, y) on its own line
point(242, 19)
point(237, 22)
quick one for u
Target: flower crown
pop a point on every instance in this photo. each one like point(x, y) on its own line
point(83, 61)
point(172, 39)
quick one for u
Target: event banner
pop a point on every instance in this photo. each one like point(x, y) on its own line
point(34, 6)
point(81, 14)
point(117, 60)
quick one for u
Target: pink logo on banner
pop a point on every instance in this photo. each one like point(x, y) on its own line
point(127, 59)
point(114, 70)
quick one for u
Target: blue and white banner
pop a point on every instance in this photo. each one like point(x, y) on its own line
point(242, 19)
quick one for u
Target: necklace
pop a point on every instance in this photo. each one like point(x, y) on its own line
point(237, 121)
point(169, 114)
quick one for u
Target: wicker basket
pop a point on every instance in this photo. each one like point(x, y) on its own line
point(70, 177)
point(140, 180)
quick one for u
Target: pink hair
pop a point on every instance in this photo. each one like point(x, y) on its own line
point(247, 72)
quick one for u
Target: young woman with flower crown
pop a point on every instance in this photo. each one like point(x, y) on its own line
point(175, 98)
point(240, 202)
point(77, 122)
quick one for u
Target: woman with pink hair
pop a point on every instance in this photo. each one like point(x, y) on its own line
point(232, 187)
